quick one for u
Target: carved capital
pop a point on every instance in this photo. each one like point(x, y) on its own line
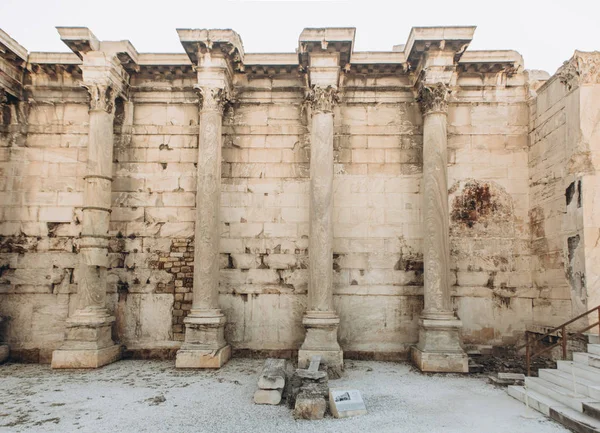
point(102, 96)
point(322, 99)
point(213, 98)
point(582, 68)
point(433, 98)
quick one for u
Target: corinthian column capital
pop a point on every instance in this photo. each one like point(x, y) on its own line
point(433, 98)
point(102, 96)
point(213, 98)
point(322, 99)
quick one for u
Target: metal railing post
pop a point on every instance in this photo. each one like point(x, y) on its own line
point(527, 353)
point(564, 342)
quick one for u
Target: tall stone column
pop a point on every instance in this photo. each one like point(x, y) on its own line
point(321, 320)
point(205, 345)
point(439, 348)
point(88, 343)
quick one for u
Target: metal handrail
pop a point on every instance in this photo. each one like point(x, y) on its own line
point(563, 338)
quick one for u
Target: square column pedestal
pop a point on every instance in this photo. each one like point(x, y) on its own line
point(439, 348)
point(88, 344)
point(321, 339)
point(205, 345)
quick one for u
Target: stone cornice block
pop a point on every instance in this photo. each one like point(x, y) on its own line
point(105, 69)
point(423, 39)
point(125, 52)
point(338, 40)
point(494, 61)
point(13, 59)
point(197, 41)
point(11, 48)
point(79, 39)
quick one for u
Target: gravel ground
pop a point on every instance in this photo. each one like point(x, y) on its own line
point(151, 396)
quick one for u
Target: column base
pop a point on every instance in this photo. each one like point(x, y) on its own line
point(204, 345)
point(321, 339)
point(199, 358)
point(85, 358)
point(433, 362)
point(439, 349)
point(4, 352)
point(88, 343)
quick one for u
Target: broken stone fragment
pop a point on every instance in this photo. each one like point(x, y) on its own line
point(273, 374)
point(268, 396)
point(311, 375)
point(310, 406)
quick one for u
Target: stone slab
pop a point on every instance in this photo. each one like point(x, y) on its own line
point(85, 358)
point(4, 352)
point(331, 358)
point(202, 358)
point(268, 396)
point(345, 403)
point(439, 362)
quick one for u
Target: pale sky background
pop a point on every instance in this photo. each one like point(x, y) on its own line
point(546, 32)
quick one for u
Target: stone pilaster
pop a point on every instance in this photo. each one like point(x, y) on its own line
point(205, 345)
point(439, 347)
point(321, 320)
point(88, 342)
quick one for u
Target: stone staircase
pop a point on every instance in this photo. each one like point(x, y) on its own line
point(569, 394)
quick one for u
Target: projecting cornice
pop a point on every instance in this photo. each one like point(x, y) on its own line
point(447, 45)
point(13, 58)
point(197, 42)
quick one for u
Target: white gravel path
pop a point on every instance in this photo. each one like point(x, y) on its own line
point(151, 396)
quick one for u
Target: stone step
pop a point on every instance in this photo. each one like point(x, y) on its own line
point(533, 399)
point(576, 421)
point(587, 359)
point(594, 348)
point(558, 393)
point(593, 338)
point(581, 370)
point(592, 409)
point(564, 379)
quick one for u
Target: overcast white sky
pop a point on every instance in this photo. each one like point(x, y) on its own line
point(545, 32)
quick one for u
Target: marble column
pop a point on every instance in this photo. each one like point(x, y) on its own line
point(205, 345)
point(439, 348)
point(321, 320)
point(89, 343)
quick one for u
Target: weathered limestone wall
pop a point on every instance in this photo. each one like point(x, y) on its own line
point(264, 205)
point(44, 154)
point(563, 185)
point(489, 204)
point(378, 258)
point(522, 184)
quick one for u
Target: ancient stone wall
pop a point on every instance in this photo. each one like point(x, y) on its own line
point(563, 184)
point(519, 183)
